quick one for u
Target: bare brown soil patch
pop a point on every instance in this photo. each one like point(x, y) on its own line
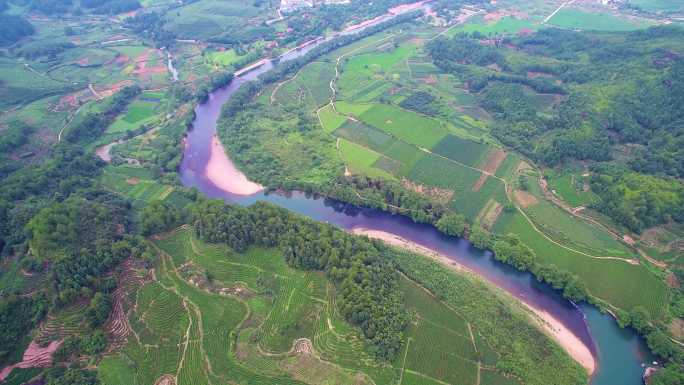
point(490, 214)
point(238, 290)
point(438, 194)
point(432, 79)
point(117, 327)
point(151, 70)
point(501, 13)
point(677, 328)
point(166, 379)
point(534, 75)
point(522, 167)
point(672, 281)
point(628, 240)
point(303, 346)
point(494, 160)
point(494, 67)
point(67, 102)
point(121, 59)
point(478, 184)
point(114, 88)
point(417, 41)
point(525, 199)
point(133, 181)
point(34, 357)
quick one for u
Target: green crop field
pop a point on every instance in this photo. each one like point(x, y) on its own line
point(435, 171)
point(659, 5)
point(569, 230)
point(461, 150)
point(470, 202)
point(405, 125)
point(135, 183)
point(223, 58)
point(315, 78)
point(139, 111)
point(506, 25)
point(403, 154)
point(330, 120)
point(362, 69)
point(610, 280)
point(209, 18)
point(361, 159)
point(569, 184)
point(312, 84)
point(576, 19)
point(19, 85)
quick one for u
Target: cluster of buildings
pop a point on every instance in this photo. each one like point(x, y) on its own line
point(293, 5)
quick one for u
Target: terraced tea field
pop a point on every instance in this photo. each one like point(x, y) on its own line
point(136, 183)
point(211, 315)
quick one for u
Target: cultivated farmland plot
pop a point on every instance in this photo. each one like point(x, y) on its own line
point(259, 319)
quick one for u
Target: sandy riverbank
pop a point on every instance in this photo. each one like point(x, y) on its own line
point(223, 173)
point(554, 328)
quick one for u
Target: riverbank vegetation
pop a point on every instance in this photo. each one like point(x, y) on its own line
point(274, 305)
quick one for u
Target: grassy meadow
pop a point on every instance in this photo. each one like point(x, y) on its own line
point(577, 19)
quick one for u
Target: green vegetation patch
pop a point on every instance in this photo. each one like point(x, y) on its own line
point(405, 125)
point(139, 111)
point(576, 19)
point(470, 202)
point(569, 230)
point(461, 150)
point(435, 171)
point(495, 323)
point(610, 280)
point(659, 5)
point(570, 186)
point(330, 119)
point(360, 160)
point(506, 25)
point(19, 85)
point(404, 154)
point(135, 182)
point(223, 58)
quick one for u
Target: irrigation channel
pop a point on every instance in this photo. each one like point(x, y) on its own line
point(621, 355)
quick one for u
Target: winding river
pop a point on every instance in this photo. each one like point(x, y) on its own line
point(620, 354)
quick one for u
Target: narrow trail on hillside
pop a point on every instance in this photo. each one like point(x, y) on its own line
point(576, 212)
point(565, 4)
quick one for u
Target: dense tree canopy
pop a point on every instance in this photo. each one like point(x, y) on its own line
point(367, 282)
point(13, 28)
point(18, 316)
point(636, 200)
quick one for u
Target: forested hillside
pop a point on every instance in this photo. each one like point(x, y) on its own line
point(469, 186)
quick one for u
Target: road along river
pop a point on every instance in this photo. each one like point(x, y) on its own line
point(594, 339)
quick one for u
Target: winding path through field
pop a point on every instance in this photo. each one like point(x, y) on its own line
point(563, 5)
